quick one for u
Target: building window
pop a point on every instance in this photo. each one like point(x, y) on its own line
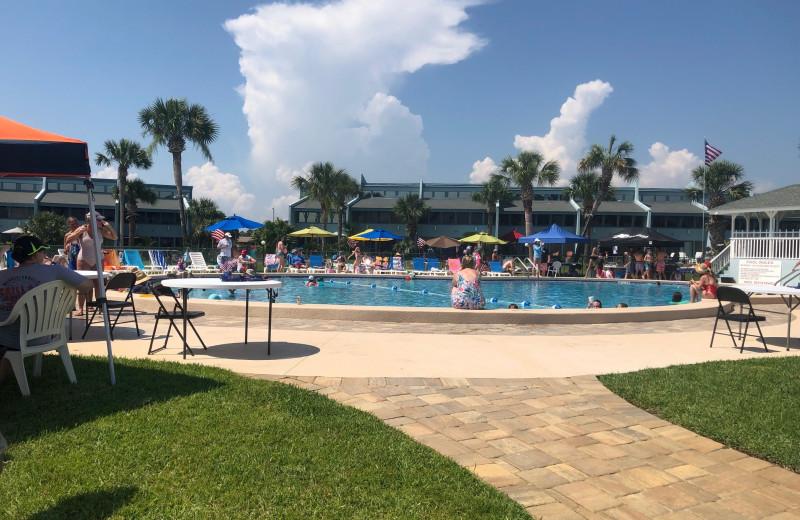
point(462, 219)
point(476, 219)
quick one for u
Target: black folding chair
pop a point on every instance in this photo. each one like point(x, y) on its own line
point(124, 281)
point(740, 298)
point(165, 297)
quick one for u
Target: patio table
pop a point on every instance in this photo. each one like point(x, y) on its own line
point(270, 286)
point(789, 295)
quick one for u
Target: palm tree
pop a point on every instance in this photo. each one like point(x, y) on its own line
point(611, 161)
point(345, 188)
point(493, 191)
point(202, 213)
point(171, 123)
point(719, 184)
point(136, 191)
point(527, 169)
point(583, 188)
point(411, 209)
point(125, 154)
point(318, 184)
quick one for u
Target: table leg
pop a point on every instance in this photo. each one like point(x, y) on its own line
point(246, 312)
point(184, 295)
point(789, 325)
point(271, 296)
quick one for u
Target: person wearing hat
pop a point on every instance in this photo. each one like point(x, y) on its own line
point(245, 262)
point(537, 256)
point(87, 259)
point(29, 253)
point(706, 286)
point(224, 248)
point(311, 282)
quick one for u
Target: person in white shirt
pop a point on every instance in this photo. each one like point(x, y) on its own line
point(224, 248)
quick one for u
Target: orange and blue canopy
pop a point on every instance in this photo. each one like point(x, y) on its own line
point(29, 152)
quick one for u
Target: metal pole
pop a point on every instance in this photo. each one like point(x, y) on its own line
point(497, 219)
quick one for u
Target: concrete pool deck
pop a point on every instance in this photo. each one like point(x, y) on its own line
point(516, 404)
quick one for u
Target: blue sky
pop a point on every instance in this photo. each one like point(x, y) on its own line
point(403, 90)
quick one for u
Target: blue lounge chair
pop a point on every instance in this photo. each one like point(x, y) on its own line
point(419, 265)
point(157, 260)
point(315, 264)
point(132, 258)
point(270, 262)
point(433, 265)
point(497, 269)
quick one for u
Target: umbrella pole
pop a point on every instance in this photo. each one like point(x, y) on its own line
point(101, 296)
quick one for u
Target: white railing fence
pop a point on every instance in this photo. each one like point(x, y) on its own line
point(722, 260)
point(773, 247)
point(766, 234)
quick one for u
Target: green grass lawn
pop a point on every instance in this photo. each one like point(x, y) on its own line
point(752, 405)
point(186, 441)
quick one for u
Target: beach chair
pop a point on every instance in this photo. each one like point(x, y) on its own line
point(419, 266)
point(270, 263)
point(42, 315)
point(454, 265)
point(110, 260)
point(158, 264)
point(199, 264)
point(433, 266)
point(315, 264)
point(132, 258)
point(397, 264)
point(496, 269)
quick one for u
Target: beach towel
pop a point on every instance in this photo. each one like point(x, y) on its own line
point(157, 259)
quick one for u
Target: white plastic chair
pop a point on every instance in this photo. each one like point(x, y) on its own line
point(554, 268)
point(42, 314)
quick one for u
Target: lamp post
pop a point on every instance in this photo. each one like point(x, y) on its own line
point(497, 219)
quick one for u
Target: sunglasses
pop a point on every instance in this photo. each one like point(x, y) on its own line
point(35, 249)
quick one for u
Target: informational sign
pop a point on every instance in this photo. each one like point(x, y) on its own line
point(759, 271)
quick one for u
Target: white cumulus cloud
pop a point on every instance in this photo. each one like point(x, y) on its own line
point(318, 80)
point(482, 170)
point(109, 172)
point(567, 136)
point(224, 188)
point(667, 169)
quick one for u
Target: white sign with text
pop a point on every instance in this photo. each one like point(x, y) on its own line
point(759, 271)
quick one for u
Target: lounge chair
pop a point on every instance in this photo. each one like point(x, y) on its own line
point(433, 266)
point(419, 266)
point(158, 263)
point(397, 263)
point(110, 260)
point(199, 265)
point(496, 269)
point(454, 265)
point(270, 263)
point(132, 258)
point(555, 269)
point(315, 264)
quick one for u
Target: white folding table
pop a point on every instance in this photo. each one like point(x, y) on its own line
point(789, 295)
point(271, 286)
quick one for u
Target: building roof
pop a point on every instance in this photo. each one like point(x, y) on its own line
point(782, 199)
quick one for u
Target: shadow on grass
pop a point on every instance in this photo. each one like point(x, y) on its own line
point(94, 505)
point(55, 403)
point(257, 350)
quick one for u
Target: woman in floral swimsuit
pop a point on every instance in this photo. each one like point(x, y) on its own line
point(467, 293)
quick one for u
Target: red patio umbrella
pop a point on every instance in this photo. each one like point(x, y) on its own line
point(29, 152)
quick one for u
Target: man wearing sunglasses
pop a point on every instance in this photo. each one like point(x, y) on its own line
point(29, 253)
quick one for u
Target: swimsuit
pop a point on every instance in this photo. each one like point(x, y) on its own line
point(661, 265)
point(709, 288)
point(467, 294)
point(639, 266)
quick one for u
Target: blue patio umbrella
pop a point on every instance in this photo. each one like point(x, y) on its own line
point(234, 222)
point(376, 235)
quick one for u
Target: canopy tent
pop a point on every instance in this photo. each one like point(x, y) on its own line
point(312, 232)
point(29, 152)
point(376, 235)
point(512, 235)
point(555, 234)
point(442, 242)
point(234, 222)
point(639, 237)
point(13, 231)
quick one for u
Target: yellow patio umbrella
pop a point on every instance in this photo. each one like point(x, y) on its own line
point(483, 238)
point(312, 232)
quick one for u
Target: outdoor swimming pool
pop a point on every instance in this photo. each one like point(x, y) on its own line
point(436, 293)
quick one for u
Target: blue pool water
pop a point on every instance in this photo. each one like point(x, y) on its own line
point(396, 292)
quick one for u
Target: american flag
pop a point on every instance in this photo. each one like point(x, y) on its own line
point(217, 235)
point(420, 242)
point(711, 154)
point(352, 243)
